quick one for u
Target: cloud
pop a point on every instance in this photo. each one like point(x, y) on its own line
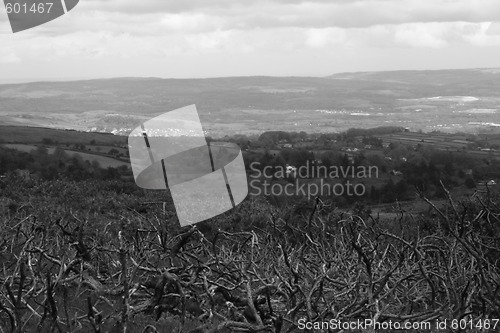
point(9, 57)
point(324, 37)
point(231, 14)
point(493, 29)
point(266, 33)
point(483, 35)
point(204, 16)
point(422, 35)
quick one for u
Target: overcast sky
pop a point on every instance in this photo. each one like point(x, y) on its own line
point(213, 38)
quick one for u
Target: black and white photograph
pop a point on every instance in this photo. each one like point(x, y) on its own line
point(195, 166)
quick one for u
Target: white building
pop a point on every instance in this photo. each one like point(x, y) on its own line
point(291, 171)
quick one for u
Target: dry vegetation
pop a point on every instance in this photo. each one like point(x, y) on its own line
point(86, 257)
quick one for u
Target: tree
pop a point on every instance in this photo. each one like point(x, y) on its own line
point(47, 141)
point(469, 182)
point(41, 151)
point(96, 164)
point(60, 153)
point(374, 194)
point(401, 188)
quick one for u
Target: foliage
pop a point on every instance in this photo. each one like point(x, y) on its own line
point(102, 256)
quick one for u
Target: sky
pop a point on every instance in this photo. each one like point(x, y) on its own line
point(217, 38)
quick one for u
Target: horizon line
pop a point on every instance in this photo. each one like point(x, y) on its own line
point(10, 81)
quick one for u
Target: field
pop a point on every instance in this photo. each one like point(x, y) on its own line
point(22, 134)
point(103, 161)
point(441, 141)
point(448, 100)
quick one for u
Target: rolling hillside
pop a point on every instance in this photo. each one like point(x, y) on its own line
point(449, 100)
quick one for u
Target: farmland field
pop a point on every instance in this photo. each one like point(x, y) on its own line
point(251, 105)
point(103, 161)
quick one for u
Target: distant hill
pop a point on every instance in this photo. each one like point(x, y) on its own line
point(257, 104)
point(437, 78)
